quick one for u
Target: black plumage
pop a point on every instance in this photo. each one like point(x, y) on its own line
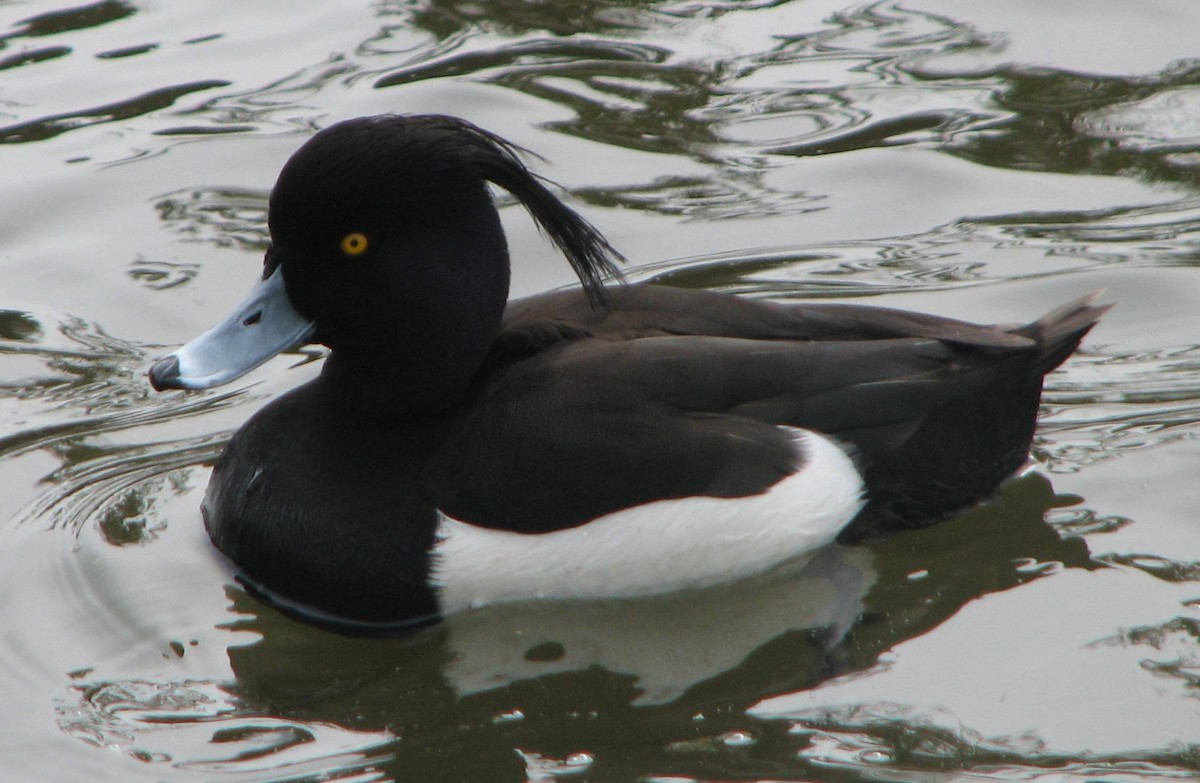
point(549, 412)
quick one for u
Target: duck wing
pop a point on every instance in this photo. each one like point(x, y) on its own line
point(669, 393)
point(649, 310)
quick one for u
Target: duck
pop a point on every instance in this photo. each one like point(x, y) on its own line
point(605, 441)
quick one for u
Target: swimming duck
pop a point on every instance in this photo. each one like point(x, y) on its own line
point(612, 440)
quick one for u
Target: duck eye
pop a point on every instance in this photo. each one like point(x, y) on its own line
point(354, 244)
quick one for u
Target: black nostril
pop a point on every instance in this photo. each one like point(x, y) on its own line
point(165, 374)
point(253, 318)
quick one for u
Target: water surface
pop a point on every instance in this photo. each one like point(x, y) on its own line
point(977, 160)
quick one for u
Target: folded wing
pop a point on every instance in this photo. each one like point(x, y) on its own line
point(935, 412)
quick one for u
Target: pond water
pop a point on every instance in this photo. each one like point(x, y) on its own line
point(985, 160)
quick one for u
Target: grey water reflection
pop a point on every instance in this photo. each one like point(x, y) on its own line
point(76, 398)
point(1076, 123)
point(718, 117)
point(822, 92)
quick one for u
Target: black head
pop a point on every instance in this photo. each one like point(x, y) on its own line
point(389, 240)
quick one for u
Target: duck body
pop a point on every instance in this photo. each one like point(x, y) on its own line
point(457, 449)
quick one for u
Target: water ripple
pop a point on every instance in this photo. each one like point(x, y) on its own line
point(224, 217)
point(1164, 568)
point(1102, 405)
point(1176, 646)
point(77, 18)
point(198, 726)
point(82, 403)
point(896, 743)
point(1160, 235)
point(117, 486)
point(531, 54)
point(1083, 123)
point(48, 127)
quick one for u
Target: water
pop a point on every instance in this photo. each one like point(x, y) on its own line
point(980, 160)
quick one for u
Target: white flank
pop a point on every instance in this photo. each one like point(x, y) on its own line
point(659, 547)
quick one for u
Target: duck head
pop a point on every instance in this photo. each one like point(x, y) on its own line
point(387, 248)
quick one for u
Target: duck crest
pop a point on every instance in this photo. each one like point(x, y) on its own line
point(380, 158)
point(497, 160)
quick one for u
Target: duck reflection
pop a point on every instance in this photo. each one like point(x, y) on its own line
point(727, 646)
point(666, 644)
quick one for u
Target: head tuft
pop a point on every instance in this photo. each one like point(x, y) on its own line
point(438, 145)
point(498, 161)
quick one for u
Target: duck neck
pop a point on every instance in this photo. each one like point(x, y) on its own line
point(376, 385)
point(426, 361)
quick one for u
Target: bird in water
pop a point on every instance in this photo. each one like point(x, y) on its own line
point(612, 440)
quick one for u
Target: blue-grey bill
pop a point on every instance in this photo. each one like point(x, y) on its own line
point(264, 324)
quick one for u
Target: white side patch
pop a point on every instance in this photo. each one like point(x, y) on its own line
point(658, 547)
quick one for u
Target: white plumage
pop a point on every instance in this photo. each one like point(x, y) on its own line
point(658, 547)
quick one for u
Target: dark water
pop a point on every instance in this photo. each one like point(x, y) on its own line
point(980, 160)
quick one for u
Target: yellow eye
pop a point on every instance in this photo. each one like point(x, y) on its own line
point(354, 244)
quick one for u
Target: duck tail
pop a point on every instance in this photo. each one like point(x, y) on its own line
point(1059, 332)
